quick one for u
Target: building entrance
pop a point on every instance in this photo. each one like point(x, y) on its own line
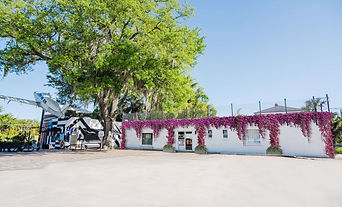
point(188, 144)
point(184, 142)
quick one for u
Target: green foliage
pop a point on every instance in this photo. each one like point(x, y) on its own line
point(274, 150)
point(131, 103)
point(169, 147)
point(17, 138)
point(97, 44)
point(198, 103)
point(12, 127)
point(97, 50)
point(183, 99)
point(201, 148)
point(338, 150)
point(312, 104)
point(336, 124)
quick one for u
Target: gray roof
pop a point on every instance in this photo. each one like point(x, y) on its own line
point(280, 109)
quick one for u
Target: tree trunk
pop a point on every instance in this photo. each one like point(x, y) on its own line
point(148, 105)
point(108, 101)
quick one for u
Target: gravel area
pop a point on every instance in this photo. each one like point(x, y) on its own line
point(153, 178)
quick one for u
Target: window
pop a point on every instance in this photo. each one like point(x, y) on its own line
point(210, 134)
point(253, 137)
point(181, 137)
point(147, 139)
point(225, 133)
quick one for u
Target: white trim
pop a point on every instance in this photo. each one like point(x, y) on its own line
point(146, 145)
point(253, 143)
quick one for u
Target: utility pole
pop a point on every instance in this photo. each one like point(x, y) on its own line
point(314, 104)
point(40, 143)
point(328, 102)
point(231, 107)
point(285, 105)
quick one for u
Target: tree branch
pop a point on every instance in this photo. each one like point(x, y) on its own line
point(35, 51)
point(124, 27)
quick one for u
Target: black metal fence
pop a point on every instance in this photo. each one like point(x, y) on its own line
point(159, 115)
point(285, 105)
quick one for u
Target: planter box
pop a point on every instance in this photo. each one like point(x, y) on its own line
point(274, 153)
point(169, 150)
point(201, 152)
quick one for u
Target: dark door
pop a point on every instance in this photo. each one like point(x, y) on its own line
point(188, 144)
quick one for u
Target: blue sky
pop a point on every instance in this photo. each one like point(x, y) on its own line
point(256, 50)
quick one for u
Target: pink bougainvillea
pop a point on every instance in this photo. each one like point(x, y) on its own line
point(239, 124)
point(123, 137)
point(170, 135)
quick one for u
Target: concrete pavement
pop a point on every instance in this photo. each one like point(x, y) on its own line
point(151, 178)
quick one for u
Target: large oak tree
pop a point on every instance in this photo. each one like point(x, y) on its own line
point(100, 47)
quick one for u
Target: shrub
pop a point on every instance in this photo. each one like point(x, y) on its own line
point(274, 149)
point(201, 148)
point(169, 147)
point(338, 150)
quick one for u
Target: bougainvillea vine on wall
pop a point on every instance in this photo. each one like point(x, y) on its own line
point(170, 135)
point(123, 137)
point(239, 124)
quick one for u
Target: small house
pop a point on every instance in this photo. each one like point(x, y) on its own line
point(296, 134)
point(278, 109)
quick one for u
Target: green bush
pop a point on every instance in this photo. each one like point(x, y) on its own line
point(274, 149)
point(338, 150)
point(201, 148)
point(167, 147)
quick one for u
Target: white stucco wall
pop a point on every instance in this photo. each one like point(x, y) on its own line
point(291, 140)
point(233, 144)
point(132, 141)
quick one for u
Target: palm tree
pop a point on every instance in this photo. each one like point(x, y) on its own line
point(314, 104)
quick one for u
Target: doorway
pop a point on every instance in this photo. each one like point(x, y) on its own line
point(188, 144)
point(184, 141)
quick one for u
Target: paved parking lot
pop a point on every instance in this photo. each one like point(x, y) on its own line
point(151, 178)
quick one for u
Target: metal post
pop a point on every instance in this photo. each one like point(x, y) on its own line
point(313, 101)
point(285, 105)
point(328, 102)
point(231, 107)
point(321, 105)
point(260, 107)
point(40, 143)
point(208, 112)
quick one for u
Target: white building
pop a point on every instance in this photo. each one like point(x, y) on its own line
point(224, 140)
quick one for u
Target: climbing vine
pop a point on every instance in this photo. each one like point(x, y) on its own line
point(123, 137)
point(239, 124)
